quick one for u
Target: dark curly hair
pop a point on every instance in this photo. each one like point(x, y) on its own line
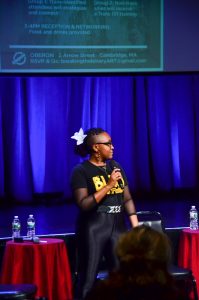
point(143, 244)
point(86, 147)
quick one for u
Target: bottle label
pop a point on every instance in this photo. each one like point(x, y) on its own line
point(16, 226)
point(31, 225)
point(193, 215)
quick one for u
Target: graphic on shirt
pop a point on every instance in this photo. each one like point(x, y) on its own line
point(100, 182)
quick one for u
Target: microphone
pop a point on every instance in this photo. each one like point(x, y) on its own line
point(114, 165)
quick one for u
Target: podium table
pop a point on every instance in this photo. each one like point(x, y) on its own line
point(188, 253)
point(44, 264)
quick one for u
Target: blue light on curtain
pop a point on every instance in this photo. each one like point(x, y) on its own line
point(182, 132)
point(2, 191)
point(153, 121)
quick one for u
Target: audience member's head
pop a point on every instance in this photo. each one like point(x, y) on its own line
point(144, 255)
point(143, 248)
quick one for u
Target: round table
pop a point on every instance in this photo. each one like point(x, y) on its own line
point(44, 264)
point(188, 253)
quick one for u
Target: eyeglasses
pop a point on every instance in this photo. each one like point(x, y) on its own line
point(109, 144)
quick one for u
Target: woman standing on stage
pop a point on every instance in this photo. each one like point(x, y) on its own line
point(101, 191)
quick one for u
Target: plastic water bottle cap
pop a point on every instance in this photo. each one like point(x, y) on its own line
point(30, 216)
point(193, 206)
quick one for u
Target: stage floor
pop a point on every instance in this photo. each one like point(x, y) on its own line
point(59, 218)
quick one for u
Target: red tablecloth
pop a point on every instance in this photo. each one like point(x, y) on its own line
point(44, 264)
point(188, 254)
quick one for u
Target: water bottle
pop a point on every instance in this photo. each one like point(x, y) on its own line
point(31, 227)
point(16, 226)
point(193, 214)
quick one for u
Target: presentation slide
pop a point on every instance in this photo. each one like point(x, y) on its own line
point(73, 36)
